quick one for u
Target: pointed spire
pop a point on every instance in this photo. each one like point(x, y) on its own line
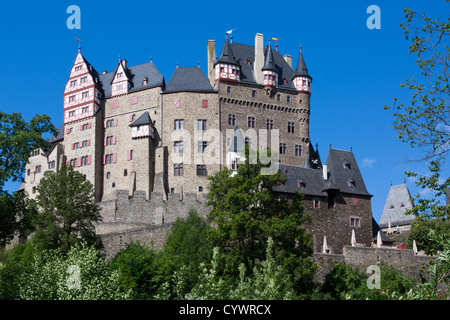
point(301, 69)
point(269, 63)
point(227, 56)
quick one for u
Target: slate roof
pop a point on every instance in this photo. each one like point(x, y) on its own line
point(314, 182)
point(342, 176)
point(227, 56)
point(59, 134)
point(243, 52)
point(269, 61)
point(397, 202)
point(301, 69)
point(136, 75)
point(143, 119)
point(188, 79)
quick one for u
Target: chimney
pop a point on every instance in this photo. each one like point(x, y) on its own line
point(325, 171)
point(259, 57)
point(211, 60)
point(124, 63)
point(288, 59)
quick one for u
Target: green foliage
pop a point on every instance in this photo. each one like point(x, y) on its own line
point(79, 274)
point(246, 213)
point(16, 262)
point(420, 231)
point(347, 283)
point(67, 210)
point(137, 271)
point(423, 122)
point(7, 218)
point(18, 139)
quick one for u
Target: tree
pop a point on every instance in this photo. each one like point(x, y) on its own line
point(7, 218)
point(79, 274)
point(246, 213)
point(18, 139)
point(424, 122)
point(67, 210)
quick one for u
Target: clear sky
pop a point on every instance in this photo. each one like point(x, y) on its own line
point(355, 70)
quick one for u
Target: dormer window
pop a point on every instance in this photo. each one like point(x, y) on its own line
point(301, 185)
point(347, 165)
point(144, 82)
point(352, 183)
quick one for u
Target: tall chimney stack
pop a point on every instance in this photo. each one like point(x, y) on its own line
point(259, 57)
point(288, 59)
point(211, 60)
point(325, 171)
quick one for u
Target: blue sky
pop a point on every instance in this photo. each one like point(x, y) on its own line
point(355, 70)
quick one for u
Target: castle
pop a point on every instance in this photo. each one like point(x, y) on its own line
point(147, 147)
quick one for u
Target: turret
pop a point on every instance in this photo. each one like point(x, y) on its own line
point(302, 80)
point(270, 72)
point(226, 67)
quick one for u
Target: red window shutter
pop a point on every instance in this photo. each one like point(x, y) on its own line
point(89, 142)
point(115, 122)
point(355, 201)
point(73, 146)
point(90, 125)
point(115, 104)
point(67, 130)
point(104, 124)
point(89, 159)
point(104, 142)
point(104, 158)
point(78, 162)
point(128, 154)
point(205, 103)
point(81, 127)
point(133, 100)
point(114, 139)
point(114, 157)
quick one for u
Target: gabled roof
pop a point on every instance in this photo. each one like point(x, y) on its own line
point(344, 176)
point(125, 69)
point(227, 56)
point(136, 76)
point(313, 180)
point(91, 69)
point(243, 52)
point(142, 120)
point(397, 202)
point(188, 79)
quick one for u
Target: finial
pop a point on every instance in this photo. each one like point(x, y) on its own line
point(79, 44)
point(177, 64)
point(198, 63)
point(330, 146)
point(151, 59)
point(300, 48)
point(391, 183)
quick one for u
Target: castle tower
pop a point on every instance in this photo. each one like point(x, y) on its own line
point(302, 80)
point(226, 67)
point(82, 103)
point(270, 72)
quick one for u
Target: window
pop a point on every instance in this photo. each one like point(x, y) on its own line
point(228, 90)
point(316, 204)
point(234, 165)
point(269, 124)
point(85, 143)
point(291, 127)
point(85, 94)
point(179, 124)
point(298, 150)
point(347, 165)
point(73, 83)
point(28, 172)
point(231, 119)
point(282, 148)
point(84, 161)
point(110, 123)
point(253, 93)
point(36, 152)
point(288, 99)
point(248, 142)
point(109, 140)
point(38, 169)
point(85, 126)
point(200, 189)
point(71, 113)
point(83, 80)
point(178, 169)
point(71, 98)
point(355, 201)
point(130, 155)
point(73, 163)
point(352, 183)
point(355, 222)
point(75, 145)
point(201, 146)
point(108, 175)
point(201, 170)
point(202, 124)
point(119, 75)
point(109, 158)
point(251, 122)
point(178, 146)
point(278, 97)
